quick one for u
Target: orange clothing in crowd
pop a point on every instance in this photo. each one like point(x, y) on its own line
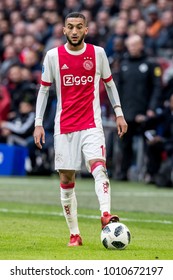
point(154, 29)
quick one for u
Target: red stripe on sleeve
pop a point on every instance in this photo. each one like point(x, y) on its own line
point(46, 84)
point(107, 80)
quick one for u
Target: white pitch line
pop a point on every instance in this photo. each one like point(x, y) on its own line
point(43, 213)
point(133, 194)
point(84, 193)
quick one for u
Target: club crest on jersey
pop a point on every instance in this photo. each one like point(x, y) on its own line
point(88, 64)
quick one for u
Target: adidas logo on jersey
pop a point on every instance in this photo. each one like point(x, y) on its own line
point(65, 66)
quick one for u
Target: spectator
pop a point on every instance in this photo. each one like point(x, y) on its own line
point(92, 6)
point(57, 34)
point(164, 5)
point(165, 37)
point(9, 58)
point(31, 14)
point(20, 28)
point(40, 5)
point(30, 43)
point(143, 5)
point(7, 40)
point(160, 145)
point(127, 5)
point(18, 44)
point(71, 6)
point(51, 18)
point(26, 75)
point(134, 15)
point(9, 6)
point(30, 29)
point(154, 22)
point(22, 124)
point(42, 30)
point(92, 36)
point(51, 5)
point(120, 31)
point(103, 21)
point(15, 17)
point(4, 28)
point(111, 7)
point(119, 49)
point(24, 6)
point(140, 90)
point(148, 42)
point(5, 102)
point(19, 129)
point(2, 14)
point(31, 61)
point(88, 15)
point(17, 88)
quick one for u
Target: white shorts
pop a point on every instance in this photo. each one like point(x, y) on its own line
point(72, 148)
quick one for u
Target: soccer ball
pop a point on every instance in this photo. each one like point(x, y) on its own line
point(115, 236)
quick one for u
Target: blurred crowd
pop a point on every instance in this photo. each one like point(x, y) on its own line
point(137, 36)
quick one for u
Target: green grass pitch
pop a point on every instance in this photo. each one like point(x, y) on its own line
point(32, 226)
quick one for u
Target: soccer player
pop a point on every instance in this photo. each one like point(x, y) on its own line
point(77, 68)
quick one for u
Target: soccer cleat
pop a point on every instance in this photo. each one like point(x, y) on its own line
point(108, 218)
point(75, 240)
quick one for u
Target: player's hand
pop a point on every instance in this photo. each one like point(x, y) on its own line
point(121, 126)
point(39, 136)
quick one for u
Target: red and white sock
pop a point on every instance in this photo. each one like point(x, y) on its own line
point(102, 186)
point(69, 205)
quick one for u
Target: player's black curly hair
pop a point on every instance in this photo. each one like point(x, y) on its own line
point(76, 15)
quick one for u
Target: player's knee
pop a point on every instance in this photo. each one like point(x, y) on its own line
point(67, 177)
point(98, 170)
point(66, 185)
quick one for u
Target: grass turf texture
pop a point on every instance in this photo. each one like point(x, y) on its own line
point(32, 226)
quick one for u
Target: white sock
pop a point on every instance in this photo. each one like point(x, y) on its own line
point(69, 204)
point(102, 188)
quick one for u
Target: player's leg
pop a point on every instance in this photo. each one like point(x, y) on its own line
point(69, 205)
point(102, 184)
point(95, 155)
point(103, 190)
point(67, 160)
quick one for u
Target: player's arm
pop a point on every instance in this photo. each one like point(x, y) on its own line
point(115, 102)
point(39, 133)
point(113, 97)
point(46, 81)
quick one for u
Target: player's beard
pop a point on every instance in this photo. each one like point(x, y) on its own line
point(76, 43)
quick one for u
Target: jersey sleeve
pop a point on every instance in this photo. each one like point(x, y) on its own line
point(106, 72)
point(110, 86)
point(43, 93)
point(47, 74)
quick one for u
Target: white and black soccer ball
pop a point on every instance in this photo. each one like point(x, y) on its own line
point(115, 236)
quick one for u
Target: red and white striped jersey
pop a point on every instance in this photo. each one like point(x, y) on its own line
point(77, 76)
